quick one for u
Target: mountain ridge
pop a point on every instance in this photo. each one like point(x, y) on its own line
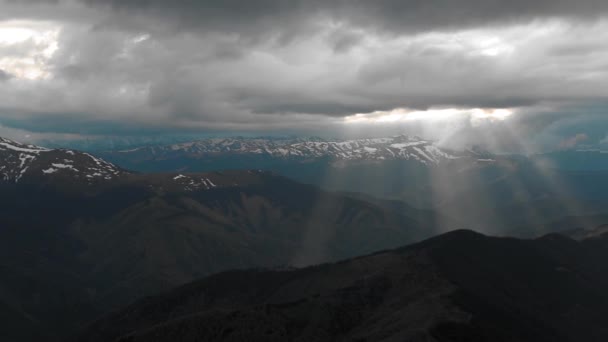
point(372, 149)
point(459, 286)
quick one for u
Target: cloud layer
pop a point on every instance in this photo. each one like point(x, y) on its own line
point(151, 66)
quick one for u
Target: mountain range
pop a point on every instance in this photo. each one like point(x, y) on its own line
point(502, 194)
point(460, 286)
point(397, 147)
point(75, 244)
point(81, 237)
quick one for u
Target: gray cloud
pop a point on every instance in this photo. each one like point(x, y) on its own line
point(170, 66)
point(342, 40)
point(4, 76)
point(396, 16)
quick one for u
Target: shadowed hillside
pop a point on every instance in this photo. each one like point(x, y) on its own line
point(461, 286)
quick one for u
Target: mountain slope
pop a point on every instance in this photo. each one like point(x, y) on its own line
point(461, 286)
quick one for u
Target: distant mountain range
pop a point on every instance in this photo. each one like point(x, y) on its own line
point(502, 194)
point(378, 149)
point(461, 286)
point(393, 167)
point(213, 152)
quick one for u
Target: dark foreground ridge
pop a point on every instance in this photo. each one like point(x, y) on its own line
point(460, 286)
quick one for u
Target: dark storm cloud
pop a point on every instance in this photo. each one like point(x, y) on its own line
point(59, 10)
point(69, 123)
point(343, 40)
point(398, 16)
point(80, 123)
point(327, 108)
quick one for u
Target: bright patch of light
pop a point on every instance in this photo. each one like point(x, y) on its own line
point(12, 35)
point(494, 114)
point(140, 38)
point(493, 47)
point(404, 115)
point(27, 46)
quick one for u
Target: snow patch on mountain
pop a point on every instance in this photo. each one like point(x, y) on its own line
point(194, 182)
point(19, 161)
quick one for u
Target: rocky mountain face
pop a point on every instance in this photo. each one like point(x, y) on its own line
point(461, 286)
point(73, 247)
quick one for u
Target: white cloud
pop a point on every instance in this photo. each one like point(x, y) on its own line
point(27, 47)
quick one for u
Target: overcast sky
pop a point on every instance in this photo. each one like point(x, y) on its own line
point(516, 74)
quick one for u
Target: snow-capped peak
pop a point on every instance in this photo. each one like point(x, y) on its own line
point(20, 162)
